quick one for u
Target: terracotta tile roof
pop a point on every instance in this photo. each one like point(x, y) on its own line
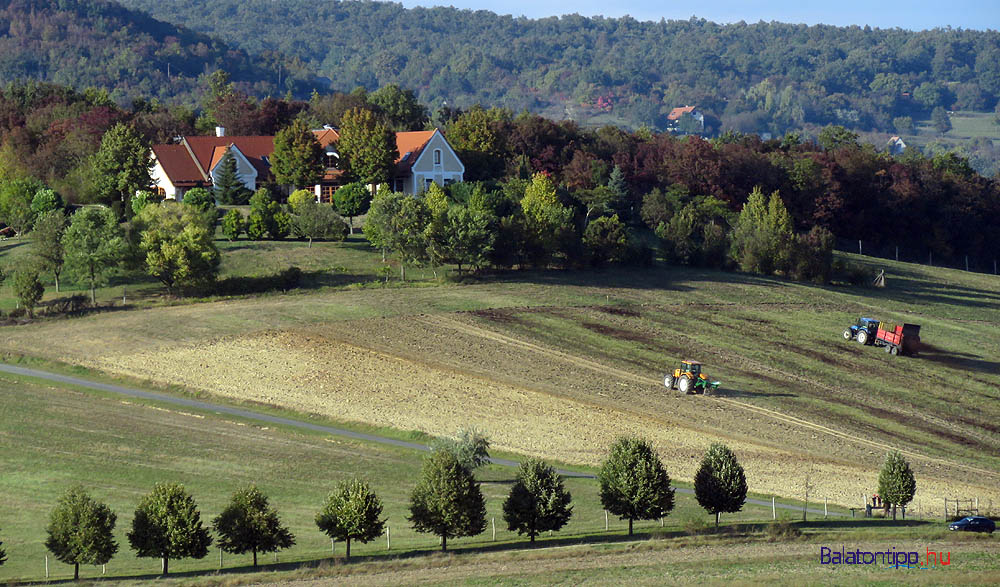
point(676, 113)
point(409, 145)
point(178, 165)
point(256, 149)
point(326, 136)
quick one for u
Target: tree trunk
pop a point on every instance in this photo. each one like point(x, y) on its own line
point(93, 293)
point(348, 547)
point(532, 535)
point(402, 271)
point(630, 526)
point(255, 558)
point(57, 280)
point(894, 512)
point(76, 571)
point(166, 564)
point(350, 225)
point(444, 543)
point(310, 243)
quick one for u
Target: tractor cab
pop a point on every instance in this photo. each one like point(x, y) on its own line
point(864, 330)
point(692, 367)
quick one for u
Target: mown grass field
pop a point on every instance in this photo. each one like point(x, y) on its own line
point(553, 364)
point(57, 436)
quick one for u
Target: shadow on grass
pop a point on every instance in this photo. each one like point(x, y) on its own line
point(723, 392)
point(965, 361)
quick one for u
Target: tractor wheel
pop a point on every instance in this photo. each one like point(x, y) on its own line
point(669, 381)
point(894, 350)
point(863, 336)
point(848, 335)
point(685, 385)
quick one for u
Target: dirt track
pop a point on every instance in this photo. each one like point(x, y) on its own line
point(435, 373)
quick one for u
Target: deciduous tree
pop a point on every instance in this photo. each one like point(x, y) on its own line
point(352, 512)
point(121, 167)
point(470, 446)
point(367, 146)
point(167, 525)
point(178, 247)
point(447, 500)
point(48, 234)
point(27, 288)
point(81, 531)
point(896, 485)
point(352, 200)
point(314, 220)
point(720, 485)
point(538, 501)
point(250, 524)
point(94, 245)
point(298, 157)
point(233, 224)
point(633, 483)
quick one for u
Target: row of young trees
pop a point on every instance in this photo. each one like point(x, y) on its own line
point(446, 502)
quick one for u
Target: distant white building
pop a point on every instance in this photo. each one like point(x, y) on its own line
point(896, 146)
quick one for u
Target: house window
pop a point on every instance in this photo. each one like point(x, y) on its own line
point(427, 184)
point(449, 181)
point(437, 156)
point(326, 193)
point(331, 160)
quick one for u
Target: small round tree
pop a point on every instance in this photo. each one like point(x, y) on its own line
point(470, 446)
point(352, 512)
point(81, 531)
point(896, 485)
point(167, 524)
point(447, 501)
point(250, 524)
point(352, 200)
point(538, 501)
point(720, 484)
point(634, 485)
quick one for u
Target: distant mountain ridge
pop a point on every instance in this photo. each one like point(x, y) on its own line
point(99, 43)
point(764, 77)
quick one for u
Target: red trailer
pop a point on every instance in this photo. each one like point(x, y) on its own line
point(898, 340)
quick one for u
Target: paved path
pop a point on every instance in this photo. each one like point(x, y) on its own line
point(261, 417)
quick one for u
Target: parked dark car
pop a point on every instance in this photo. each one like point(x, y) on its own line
point(974, 524)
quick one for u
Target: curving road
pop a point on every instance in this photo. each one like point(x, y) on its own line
point(261, 417)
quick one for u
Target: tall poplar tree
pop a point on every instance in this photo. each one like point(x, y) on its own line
point(896, 485)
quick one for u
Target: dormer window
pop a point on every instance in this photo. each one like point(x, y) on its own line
point(437, 156)
point(331, 160)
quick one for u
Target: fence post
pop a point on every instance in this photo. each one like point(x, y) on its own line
point(897, 253)
point(605, 520)
point(493, 522)
point(774, 511)
point(220, 558)
point(333, 546)
point(946, 509)
point(387, 544)
point(859, 247)
point(930, 258)
point(966, 262)
point(46, 566)
point(825, 511)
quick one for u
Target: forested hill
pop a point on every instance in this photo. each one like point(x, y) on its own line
point(764, 77)
point(82, 43)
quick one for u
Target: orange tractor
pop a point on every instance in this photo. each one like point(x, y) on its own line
point(688, 378)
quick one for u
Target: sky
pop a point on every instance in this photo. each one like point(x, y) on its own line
point(906, 14)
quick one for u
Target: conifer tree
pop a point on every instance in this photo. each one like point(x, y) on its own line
point(227, 185)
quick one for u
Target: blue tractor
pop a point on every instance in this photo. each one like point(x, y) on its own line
point(865, 330)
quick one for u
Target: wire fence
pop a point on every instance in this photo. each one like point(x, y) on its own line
point(923, 256)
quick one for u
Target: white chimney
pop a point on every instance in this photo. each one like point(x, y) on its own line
point(220, 131)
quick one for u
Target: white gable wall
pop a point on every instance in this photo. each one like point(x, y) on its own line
point(442, 169)
point(160, 180)
point(244, 169)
